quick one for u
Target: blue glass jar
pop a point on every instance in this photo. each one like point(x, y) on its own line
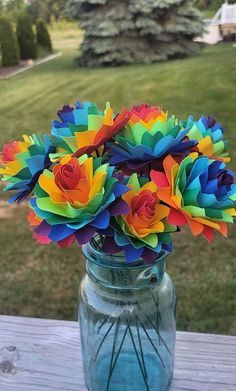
point(127, 323)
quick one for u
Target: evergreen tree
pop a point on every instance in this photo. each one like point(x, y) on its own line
point(135, 31)
point(8, 43)
point(26, 39)
point(42, 34)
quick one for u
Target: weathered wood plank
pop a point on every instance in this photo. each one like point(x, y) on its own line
point(44, 355)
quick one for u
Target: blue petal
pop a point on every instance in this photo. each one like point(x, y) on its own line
point(60, 232)
point(35, 164)
point(120, 189)
point(102, 220)
point(132, 254)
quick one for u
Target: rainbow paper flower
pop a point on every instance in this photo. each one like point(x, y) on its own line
point(129, 179)
point(84, 129)
point(75, 199)
point(199, 191)
point(23, 162)
point(143, 231)
point(209, 135)
point(147, 137)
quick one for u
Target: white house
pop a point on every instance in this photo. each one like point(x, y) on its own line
point(222, 24)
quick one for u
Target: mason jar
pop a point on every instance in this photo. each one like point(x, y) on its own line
point(127, 318)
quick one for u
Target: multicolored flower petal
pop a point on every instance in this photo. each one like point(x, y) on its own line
point(84, 129)
point(23, 162)
point(143, 231)
point(147, 137)
point(199, 191)
point(209, 135)
point(77, 198)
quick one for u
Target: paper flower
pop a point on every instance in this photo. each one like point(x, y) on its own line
point(209, 135)
point(143, 231)
point(84, 129)
point(200, 192)
point(148, 136)
point(77, 198)
point(23, 162)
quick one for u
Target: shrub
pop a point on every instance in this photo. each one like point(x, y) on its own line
point(42, 34)
point(8, 41)
point(26, 39)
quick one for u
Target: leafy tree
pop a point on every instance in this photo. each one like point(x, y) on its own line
point(42, 34)
point(8, 41)
point(14, 5)
point(135, 31)
point(26, 39)
point(58, 8)
point(44, 9)
point(211, 4)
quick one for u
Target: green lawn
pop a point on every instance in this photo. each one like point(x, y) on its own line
point(42, 281)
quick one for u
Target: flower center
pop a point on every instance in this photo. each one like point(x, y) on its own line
point(225, 179)
point(68, 176)
point(144, 205)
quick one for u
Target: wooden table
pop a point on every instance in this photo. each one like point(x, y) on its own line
point(38, 355)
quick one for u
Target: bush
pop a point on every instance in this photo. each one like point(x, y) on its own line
point(42, 34)
point(26, 39)
point(8, 41)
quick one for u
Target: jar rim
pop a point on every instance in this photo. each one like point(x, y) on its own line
point(117, 261)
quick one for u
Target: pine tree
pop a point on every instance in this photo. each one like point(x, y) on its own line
point(42, 34)
point(26, 39)
point(135, 31)
point(8, 43)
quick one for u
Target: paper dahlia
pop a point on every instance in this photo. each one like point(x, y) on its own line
point(84, 129)
point(23, 162)
point(209, 136)
point(149, 135)
point(200, 192)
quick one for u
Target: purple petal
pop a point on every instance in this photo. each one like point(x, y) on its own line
point(149, 256)
point(118, 207)
point(43, 229)
point(85, 234)
point(109, 246)
point(66, 114)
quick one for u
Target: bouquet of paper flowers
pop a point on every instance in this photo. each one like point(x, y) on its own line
point(132, 178)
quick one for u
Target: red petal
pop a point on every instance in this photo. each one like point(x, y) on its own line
point(176, 218)
point(159, 178)
point(67, 242)
point(209, 233)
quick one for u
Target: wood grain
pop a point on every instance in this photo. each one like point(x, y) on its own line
point(44, 355)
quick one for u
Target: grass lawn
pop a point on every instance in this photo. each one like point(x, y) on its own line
point(42, 281)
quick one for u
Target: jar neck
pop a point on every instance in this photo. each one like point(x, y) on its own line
point(112, 272)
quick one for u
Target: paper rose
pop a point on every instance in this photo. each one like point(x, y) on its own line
point(23, 162)
point(77, 198)
point(143, 231)
point(147, 137)
point(200, 192)
point(84, 129)
point(209, 135)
